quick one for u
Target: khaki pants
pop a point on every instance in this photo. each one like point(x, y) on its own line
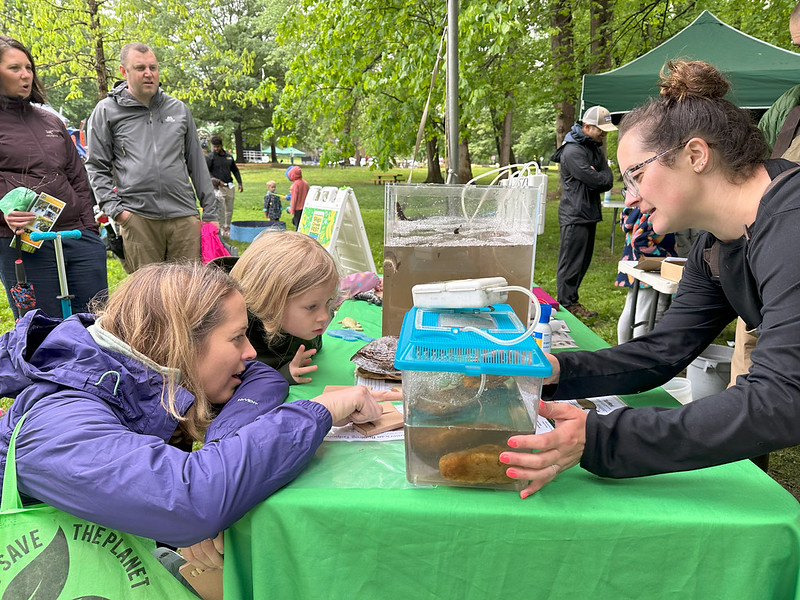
point(149, 241)
point(225, 207)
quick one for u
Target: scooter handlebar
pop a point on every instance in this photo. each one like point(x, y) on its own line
point(51, 235)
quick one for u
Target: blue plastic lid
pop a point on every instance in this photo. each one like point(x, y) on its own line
point(544, 314)
point(435, 340)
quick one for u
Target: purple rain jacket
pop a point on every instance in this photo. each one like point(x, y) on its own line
point(94, 443)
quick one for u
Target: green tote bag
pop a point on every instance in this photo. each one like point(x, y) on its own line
point(47, 554)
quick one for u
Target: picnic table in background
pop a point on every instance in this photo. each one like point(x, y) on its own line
point(616, 205)
point(384, 177)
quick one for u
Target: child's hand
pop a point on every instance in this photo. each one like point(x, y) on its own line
point(205, 555)
point(301, 364)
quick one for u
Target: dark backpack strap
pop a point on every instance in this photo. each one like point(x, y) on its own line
point(711, 257)
point(787, 133)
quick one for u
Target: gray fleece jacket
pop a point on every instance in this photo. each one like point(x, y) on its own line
point(147, 159)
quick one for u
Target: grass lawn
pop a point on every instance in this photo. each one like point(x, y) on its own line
point(597, 290)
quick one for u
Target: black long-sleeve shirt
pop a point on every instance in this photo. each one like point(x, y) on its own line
point(223, 167)
point(759, 279)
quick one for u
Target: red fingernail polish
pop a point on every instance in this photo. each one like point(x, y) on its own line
point(511, 472)
point(524, 494)
point(512, 443)
point(504, 458)
point(541, 404)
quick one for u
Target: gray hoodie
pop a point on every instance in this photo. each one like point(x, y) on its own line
point(147, 160)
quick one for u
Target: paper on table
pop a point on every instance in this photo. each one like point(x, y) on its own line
point(602, 404)
point(560, 338)
point(377, 384)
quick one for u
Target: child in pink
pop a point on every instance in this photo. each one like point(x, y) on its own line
point(297, 194)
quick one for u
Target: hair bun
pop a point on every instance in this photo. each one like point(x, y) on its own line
point(692, 79)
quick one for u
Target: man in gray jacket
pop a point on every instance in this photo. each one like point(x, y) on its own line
point(146, 166)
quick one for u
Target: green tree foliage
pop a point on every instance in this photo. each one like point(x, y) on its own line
point(365, 69)
point(231, 75)
point(354, 76)
point(76, 42)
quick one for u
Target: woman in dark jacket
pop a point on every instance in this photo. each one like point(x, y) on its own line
point(36, 152)
point(691, 159)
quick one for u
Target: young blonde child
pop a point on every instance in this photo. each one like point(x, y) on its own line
point(289, 282)
point(272, 202)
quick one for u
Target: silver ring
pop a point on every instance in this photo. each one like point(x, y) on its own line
point(555, 470)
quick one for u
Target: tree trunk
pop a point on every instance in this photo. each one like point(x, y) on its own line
point(100, 71)
point(273, 154)
point(239, 143)
point(434, 169)
point(600, 32)
point(505, 140)
point(497, 129)
point(464, 161)
point(564, 74)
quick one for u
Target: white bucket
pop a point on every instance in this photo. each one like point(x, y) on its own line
point(679, 388)
point(710, 373)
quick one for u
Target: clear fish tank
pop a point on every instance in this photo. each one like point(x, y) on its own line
point(444, 232)
point(464, 395)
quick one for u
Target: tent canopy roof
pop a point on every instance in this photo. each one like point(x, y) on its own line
point(759, 72)
point(291, 150)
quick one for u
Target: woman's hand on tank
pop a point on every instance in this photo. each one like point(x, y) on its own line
point(301, 364)
point(17, 220)
point(356, 404)
point(205, 555)
point(558, 450)
point(554, 378)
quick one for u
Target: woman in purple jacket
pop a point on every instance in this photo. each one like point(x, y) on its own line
point(113, 403)
point(36, 152)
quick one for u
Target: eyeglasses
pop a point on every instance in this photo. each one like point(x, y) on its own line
point(629, 184)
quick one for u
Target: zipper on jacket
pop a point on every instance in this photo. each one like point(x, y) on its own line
point(153, 137)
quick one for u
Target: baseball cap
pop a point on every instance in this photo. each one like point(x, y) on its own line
point(599, 117)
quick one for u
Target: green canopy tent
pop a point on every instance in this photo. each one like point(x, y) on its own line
point(759, 72)
point(290, 151)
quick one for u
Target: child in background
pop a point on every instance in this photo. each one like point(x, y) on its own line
point(640, 241)
point(272, 203)
point(298, 193)
point(289, 282)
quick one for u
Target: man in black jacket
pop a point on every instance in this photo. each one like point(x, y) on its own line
point(223, 169)
point(585, 175)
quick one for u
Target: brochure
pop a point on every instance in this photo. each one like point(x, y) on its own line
point(47, 209)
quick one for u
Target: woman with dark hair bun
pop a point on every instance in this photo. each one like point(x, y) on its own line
point(36, 152)
point(691, 159)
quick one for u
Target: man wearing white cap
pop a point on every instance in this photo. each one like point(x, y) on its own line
point(585, 175)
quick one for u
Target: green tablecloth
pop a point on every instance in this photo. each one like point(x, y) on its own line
point(350, 527)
